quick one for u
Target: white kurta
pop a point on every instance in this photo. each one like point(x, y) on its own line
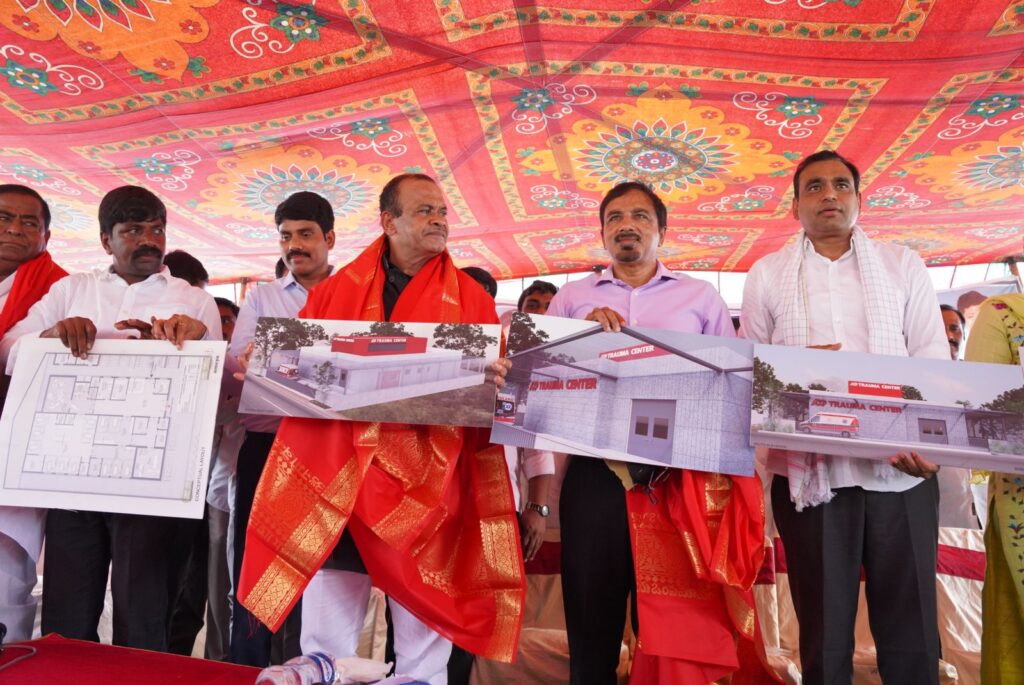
point(21, 541)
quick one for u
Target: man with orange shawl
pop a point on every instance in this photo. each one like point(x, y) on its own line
point(26, 273)
point(689, 547)
point(429, 508)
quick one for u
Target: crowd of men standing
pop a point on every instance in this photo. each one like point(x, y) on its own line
point(414, 502)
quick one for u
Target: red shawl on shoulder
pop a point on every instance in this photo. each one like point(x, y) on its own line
point(32, 280)
point(430, 507)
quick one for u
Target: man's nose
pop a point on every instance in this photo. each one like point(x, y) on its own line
point(15, 225)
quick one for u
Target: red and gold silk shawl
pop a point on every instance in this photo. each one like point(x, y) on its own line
point(430, 507)
point(698, 544)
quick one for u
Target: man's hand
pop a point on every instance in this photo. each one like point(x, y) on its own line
point(532, 526)
point(178, 329)
point(609, 319)
point(145, 330)
point(914, 464)
point(496, 372)
point(833, 347)
point(243, 362)
point(76, 332)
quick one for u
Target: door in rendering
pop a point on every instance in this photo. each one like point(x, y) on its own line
point(650, 429)
point(933, 430)
point(389, 379)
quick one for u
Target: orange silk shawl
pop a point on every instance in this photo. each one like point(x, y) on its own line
point(698, 544)
point(430, 508)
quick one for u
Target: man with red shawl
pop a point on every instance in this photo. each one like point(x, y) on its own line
point(26, 273)
point(429, 508)
point(688, 548)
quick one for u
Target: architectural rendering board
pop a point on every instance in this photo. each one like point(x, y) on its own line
point(129, 429)
point(642, 395)
point(419, 373)
point(869, 406)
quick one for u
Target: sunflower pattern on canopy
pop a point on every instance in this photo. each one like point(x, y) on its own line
point(525, 113)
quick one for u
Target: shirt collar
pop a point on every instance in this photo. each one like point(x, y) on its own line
point(393, 272)
point(288, 280)
point(164, 274)
point(661, 274)
point(809, 249)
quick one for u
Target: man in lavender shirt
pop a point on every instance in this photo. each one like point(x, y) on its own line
point(639, 291)
point(305, 226)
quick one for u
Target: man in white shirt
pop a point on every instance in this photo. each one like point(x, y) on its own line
point(26, 274)
point(134, 297)
point(835, 289)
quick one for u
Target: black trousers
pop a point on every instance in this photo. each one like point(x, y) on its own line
point(894, 537)
point(597, 569)
point(251, 643)
point(80, 548)
point(188, 601)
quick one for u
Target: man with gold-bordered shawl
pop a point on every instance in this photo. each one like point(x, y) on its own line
point(429, 508)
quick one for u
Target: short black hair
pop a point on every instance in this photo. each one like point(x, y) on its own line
point(389, 194)
point(186, 267)
point(541, 287)
point(306, 206)
point(660, 211)
point(129, 203)
point(951, 308)
point(825, 156)
point(280, 269)
point(483, 277)
point(225, 302)
point(16, 189)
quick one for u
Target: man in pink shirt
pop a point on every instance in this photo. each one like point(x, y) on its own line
point(636, 290)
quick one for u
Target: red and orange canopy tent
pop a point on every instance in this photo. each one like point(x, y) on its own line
point(526, 113)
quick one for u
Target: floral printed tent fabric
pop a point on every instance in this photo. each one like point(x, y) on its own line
point(525, 112)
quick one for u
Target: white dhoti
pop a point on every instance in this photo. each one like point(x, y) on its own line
point(333, 611)
point(21, 542)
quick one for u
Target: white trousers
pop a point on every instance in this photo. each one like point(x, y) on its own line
point(21, 537)
point(334, 609)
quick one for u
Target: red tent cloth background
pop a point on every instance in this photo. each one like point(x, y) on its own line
point(527, 114)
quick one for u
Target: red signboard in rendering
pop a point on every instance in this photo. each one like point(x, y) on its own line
point(635, 352)
point(875, 389)
point(373, 345)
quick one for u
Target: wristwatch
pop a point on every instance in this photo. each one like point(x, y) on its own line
point(541, 509)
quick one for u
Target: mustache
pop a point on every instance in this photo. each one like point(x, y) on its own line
point(147, 251)
point(627, 234)
point(955, 343)
point(297, 253)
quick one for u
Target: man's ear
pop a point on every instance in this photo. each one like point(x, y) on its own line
point(330, 239)
point(793, 208)
point(387, 222)
point(105, 242)
point(662, 232)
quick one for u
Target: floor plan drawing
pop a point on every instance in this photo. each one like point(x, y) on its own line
point(127, 429)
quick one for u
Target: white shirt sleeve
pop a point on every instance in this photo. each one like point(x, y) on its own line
point(922, 320)
point(245, 324)
point(210, 316)
point(756, 321)
point(538, 463)
point(51, 308)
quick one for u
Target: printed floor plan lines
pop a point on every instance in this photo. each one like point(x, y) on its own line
point(123, 424)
